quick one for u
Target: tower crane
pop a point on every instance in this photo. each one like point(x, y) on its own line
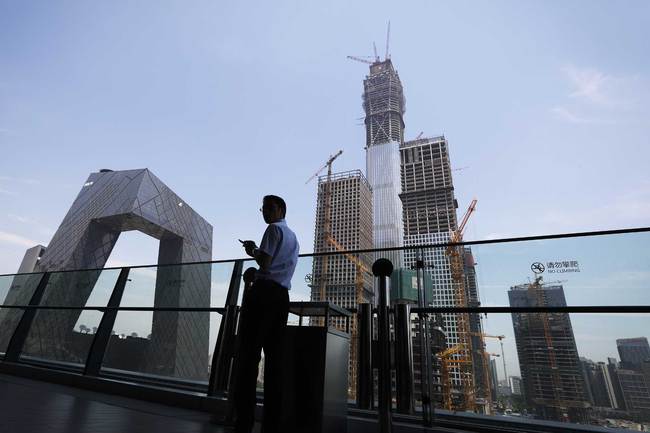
point(456, 263)
point(327, 220)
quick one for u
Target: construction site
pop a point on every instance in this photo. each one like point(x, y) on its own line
point(406, 198)
point(548, 356)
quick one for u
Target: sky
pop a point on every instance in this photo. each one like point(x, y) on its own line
point(545, 104)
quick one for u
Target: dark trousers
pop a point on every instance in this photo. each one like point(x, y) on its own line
point(263, 320)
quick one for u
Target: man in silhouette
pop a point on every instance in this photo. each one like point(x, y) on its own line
point(263, 319)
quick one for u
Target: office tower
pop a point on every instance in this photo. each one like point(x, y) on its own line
point(383, 103)
point(109, 203)
point(494, 379)
point(633, 352)
point(479, 369)
point(429, 212)
point(515, 385)
point(547, 352)
point(31, 259)
point(598, 383)
point(343, 279)
point(636, 393)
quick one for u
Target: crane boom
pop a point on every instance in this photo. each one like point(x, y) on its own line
point(327, 164)
point(461, 226)
point(359, 59)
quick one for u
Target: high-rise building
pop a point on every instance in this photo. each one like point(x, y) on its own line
point(547, 352)
point(343, 279)
point(494, 379)
point(515, 385)
point(479, 370)
point(109, 203)
point(429, 212)
point(383, 103)
point(633, 351)
point(636, 393)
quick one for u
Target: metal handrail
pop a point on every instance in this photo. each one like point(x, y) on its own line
point(375, 250)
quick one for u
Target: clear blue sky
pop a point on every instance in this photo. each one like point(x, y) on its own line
point(547, 103)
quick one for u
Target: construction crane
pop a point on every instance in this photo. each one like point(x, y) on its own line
point(360, 59)
point(535, 289)
point(361, 268)
point(375, 58)
point(445, 377)
point(503, 354)
point(456, 262)
point(327, 220)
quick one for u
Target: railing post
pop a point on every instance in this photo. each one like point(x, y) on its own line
point(364, 360)
point(103, 334)
point(403, 359)
point(426, 379)
point(15, 346)
point(224, 347)
point(382, 269)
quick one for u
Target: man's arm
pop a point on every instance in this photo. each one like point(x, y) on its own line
point(262, 255)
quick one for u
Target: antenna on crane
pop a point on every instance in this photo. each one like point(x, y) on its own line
point(374, 48)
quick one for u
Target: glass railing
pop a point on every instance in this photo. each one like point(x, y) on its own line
point(513, 330)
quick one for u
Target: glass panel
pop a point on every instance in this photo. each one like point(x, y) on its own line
point(545, 367)
point(595, 270)
point(66, 336)
point(14, 290)
point(169, 343)
point(302, 281)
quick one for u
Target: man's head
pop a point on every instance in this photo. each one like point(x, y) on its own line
point(273, 208)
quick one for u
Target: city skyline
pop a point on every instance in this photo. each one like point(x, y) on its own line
point(560, 111)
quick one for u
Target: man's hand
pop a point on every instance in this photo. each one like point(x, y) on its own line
point(249, 246)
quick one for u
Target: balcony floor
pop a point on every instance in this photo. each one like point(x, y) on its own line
point(33, 407)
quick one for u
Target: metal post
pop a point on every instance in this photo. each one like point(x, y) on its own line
point(426, 379)
point(403, 359)
point(15, 346)
point(223, 352)
point(364, 360)
point(224, 347)
point(382, 269)
point(102, 336)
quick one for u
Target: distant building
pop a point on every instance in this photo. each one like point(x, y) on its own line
point(633, 352)
point(636, 393)
point(515, 385)
point(494, 379)
point(598, 383)
point(31, 259)
point(548, 357)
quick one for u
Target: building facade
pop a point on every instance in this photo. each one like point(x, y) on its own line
point(109, 203)
point(548, 357)
point(633, 351)
point(429, 214)
point(344, 279)
point(384, 105)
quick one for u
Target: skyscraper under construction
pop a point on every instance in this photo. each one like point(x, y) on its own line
point(548, 357)
point(429, 213)
point(384, 105)
point(343, 223)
